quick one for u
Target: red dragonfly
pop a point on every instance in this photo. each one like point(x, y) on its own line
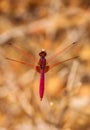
point(42, 65)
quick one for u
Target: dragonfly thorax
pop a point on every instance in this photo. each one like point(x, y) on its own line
point(42, 61)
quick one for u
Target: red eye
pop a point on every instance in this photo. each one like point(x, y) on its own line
point(42, 54)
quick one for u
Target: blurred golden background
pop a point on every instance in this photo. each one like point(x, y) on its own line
point(52, 25)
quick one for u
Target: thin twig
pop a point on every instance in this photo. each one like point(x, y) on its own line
point(45, 25)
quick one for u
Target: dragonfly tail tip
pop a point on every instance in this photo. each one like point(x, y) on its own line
point(41, 99)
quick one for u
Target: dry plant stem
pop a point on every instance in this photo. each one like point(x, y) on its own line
point(70, 84)
point(14, 86)
point(71, 121)
point(45, 25)
point(72, 76)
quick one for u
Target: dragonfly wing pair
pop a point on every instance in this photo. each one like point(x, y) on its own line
point(42, 66)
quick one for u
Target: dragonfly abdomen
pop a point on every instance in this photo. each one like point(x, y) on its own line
point(41, 88)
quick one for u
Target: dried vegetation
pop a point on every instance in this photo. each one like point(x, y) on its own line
point(49, 24)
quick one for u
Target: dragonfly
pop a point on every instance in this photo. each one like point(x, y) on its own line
point(42, 65)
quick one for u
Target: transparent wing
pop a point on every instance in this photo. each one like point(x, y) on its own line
point(21, 62)
point(52, 58)
point(61, 62)
point(24, 53)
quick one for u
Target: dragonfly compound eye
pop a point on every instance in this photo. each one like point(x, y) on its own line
point(42, 54)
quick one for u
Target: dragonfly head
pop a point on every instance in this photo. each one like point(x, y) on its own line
point(42, 53)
